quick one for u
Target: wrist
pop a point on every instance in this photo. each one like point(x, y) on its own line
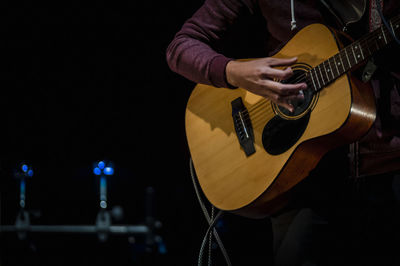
point(230, 73)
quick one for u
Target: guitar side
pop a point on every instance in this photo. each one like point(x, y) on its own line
point(250, 185)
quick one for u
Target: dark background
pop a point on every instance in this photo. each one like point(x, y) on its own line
point(88, 81)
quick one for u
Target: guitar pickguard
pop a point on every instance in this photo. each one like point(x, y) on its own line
point(279, 134)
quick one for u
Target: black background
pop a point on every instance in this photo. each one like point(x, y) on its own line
point(88, 81)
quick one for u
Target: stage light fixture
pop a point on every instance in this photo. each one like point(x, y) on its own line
point(108, 171)
point(30, 172)
point(103, 168)
point(24, 168)
point(97, 171)
point(22, 173)
point(101, 165)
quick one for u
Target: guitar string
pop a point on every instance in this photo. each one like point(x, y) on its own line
point(264, 118)
point(256, 115)
point(342, 57)
point(262, 112)
point(256, 109)
point(259, 115)
point(366, 41)
point(362, 42)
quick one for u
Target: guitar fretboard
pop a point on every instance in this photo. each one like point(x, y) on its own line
point(352, 55)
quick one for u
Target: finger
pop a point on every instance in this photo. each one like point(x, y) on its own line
point(284, 102)
point(292, 88)
point(282, 61)
point(286, 105)
point(289, 102)
point(284, 89)
point(280, 74)
point(293, 98)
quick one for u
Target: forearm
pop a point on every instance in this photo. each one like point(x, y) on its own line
point(197, 61)
point(193, 53)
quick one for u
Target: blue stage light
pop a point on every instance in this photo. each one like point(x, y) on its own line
point(24, 168)
point(108, 171)
point(97, 171)
point(101, 165)
point(30, 173)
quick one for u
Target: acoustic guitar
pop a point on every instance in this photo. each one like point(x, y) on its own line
point(249, 152)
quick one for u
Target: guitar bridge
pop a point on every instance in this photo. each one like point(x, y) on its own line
point(243, 127)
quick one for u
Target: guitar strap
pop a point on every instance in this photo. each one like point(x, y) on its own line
point(375, 20)
point(370, 68)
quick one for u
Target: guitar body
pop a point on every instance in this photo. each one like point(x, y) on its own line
point(256, 185)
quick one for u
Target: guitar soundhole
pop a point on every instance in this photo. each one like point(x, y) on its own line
point(280, 134)
point(301, 106)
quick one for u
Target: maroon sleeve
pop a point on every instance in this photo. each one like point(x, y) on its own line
point(192, 52)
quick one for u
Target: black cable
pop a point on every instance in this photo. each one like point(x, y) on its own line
point(207, 216)
point(210, 238)
point(203, 244)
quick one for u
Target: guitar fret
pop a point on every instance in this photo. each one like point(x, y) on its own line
point(326, 72)
point(337, 74)
point(384, 36)
point(316, 75)
point(361, 50)
point(348, 60)
point(354, 54)
point(340, 57)
point(323, 81)
point(379, 41)
point(312, 79)
point(336, 66)
point(397, 26)
point(330, 69)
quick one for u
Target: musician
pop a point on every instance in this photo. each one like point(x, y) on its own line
point(196, 53)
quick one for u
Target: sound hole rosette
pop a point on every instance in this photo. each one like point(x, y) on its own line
point(301, 107)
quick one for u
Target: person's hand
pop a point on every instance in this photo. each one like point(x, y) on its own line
point(257, 76)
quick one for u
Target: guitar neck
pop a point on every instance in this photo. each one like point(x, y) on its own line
point(352, 55)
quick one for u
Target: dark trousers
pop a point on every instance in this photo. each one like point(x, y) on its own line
point(358, 226)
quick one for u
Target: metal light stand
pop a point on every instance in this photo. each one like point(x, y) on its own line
point(103, 226)
point(23, 220)
point(103, 220)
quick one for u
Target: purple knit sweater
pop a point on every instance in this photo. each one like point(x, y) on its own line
point(192, 54)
